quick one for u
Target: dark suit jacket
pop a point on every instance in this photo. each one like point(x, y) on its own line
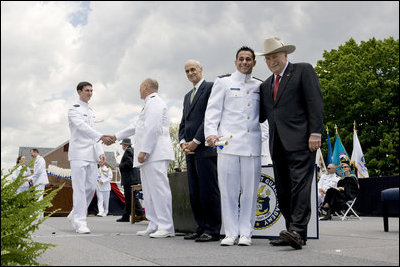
point(298, 109)
point(192, 122)
point(129, 175)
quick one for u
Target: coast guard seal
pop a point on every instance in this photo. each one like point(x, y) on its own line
point(268, 211)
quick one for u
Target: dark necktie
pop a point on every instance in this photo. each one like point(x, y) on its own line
point(276, 85)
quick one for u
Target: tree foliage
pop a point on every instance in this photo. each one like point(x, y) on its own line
point(180, 158)
point(361, 83)
point(20, 218)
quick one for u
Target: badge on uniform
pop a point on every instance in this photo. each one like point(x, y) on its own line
point(235, 89)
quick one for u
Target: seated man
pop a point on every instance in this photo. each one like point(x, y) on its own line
point(347, 189)
point(327, 181)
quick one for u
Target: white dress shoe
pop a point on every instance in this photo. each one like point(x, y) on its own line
point(83, 230)
point(229, 241)
point(145, 233)
point(162, 234)
point(244, 241)
point(71, 219)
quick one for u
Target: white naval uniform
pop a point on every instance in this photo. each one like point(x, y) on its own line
point(39, 177)
point(84, 152)
point(14, 176)
point(103, 190)
point(152, 137)
point(233, 109)
point(325, 182)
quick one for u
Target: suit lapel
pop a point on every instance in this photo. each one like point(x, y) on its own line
point(198, 94)
point(282, 84)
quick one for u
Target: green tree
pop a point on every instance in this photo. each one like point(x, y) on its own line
point(180, 159)
point(360, 82)
point(19, 219)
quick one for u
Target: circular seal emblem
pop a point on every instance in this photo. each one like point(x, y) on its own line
point(268, 211)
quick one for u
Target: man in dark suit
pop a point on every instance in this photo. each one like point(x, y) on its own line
point(201, 161)
point(291, 100)
point(129, 176)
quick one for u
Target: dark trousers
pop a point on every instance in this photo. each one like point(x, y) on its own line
point(128, 203)
point(204, 193)
point(294, 172)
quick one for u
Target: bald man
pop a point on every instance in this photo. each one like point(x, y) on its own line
point(153, 153)
point(201, 160)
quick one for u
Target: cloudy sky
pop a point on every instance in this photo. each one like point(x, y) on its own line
point(47, 48)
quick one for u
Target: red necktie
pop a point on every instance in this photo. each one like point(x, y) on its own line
point(276, 84)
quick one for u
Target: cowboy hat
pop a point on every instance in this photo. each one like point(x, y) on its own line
point(274, 45)
point(126, 141)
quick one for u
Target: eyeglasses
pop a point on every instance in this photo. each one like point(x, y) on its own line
point(345, 167)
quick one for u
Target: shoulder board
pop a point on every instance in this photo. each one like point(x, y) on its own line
point(76, 105)
point(223, 76)
point(257, 79)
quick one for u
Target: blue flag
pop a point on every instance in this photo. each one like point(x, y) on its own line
point(339, 154)
point(329, 159)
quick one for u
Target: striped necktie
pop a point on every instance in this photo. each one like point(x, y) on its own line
point(193, 93)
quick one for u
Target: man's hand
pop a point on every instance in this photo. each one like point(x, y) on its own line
point(102, 159)
point(211, 140)
point(142, 157)
point(108, 139)
point(100, 181)
point(321, 191)
point(314, 142)
point(187, 148)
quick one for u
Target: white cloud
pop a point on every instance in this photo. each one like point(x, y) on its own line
point(47, 48)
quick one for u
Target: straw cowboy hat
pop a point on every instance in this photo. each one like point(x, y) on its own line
point(275, 45)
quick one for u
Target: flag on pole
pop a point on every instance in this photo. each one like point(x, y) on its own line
point(329, 158)
point(357, 156)
point(339, 154)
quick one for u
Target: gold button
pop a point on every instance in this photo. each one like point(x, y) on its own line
point(248, 130)
point(248, 117)
point(248, 91)
point(248, 104)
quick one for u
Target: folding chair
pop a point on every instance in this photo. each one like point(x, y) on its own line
point(349, 204)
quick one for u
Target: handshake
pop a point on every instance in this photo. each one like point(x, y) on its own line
point(108, 139)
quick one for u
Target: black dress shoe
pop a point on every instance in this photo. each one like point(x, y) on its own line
point(206, 238)
point(278, 242)
point(123, 219)
point(326, 218)
point(293, 238)
point(191, 236)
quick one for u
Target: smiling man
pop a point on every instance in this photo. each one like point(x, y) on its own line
point(201, 161)
point(233, 109)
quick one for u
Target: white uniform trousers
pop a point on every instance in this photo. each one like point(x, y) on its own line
point(40, 190)
point(103, 200)
point(157, 195)
point(84, 182)
point(238, 180)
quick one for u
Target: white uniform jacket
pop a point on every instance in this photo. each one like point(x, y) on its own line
point(105, 175)
point(328, 180)
point(151, 132)
point(233, 109)
point(83, 144)
point(39, 175)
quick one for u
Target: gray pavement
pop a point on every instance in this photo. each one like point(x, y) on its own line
point(349, 242)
